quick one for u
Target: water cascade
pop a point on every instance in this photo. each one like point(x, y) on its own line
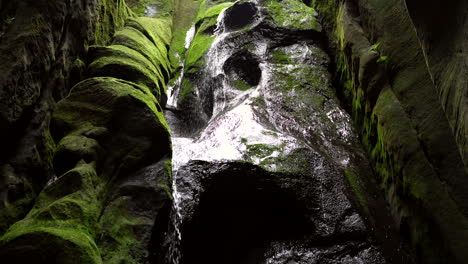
point(260, 144)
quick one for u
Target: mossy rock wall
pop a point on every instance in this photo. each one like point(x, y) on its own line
point(109, 199)
point(43, 46)
point(410, 118)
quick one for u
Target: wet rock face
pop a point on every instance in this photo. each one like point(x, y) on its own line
point(240, 15)
point(406, 90)
point(45, 44)
point(240, 213)
point(268, 96)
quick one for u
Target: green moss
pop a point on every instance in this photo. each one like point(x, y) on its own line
point(64, 218)
point(165, 184)
point(261, 150)
point(205, 12)
point(202, 41)
point(185, 89)
point(183, 20)
point(296, 162)
point(138, 6)
point(200, 45)
point(357, 188)
point(241, 85)
point(124, 63)
point(259, 102)
point(92, 101)
point(279, 56)
point(293, 15)
point(118, 243)
point(135, 39)
point(375, 47)
point(382, 59)
point(111, 17)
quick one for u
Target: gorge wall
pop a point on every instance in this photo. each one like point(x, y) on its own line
point(182, 131)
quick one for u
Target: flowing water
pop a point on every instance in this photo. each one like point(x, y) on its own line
point(288, 108)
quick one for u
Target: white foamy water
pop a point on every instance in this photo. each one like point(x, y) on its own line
point(189, 36)
point(227, 136)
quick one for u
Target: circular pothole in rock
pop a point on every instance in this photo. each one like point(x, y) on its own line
point(239, 16)
point(243, 67)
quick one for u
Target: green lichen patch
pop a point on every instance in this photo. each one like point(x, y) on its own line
point(293, 14)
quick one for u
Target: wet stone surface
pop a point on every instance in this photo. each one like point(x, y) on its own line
point(261, 180)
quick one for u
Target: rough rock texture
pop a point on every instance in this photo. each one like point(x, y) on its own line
point(43, 47)
point(403, 74)
point(109, 195)
point(241, 213)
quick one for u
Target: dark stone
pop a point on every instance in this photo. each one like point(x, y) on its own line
point(239, 16)
point(233, 211)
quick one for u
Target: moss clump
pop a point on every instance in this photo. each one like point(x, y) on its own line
point(356, 186)
point(163, 7)
point(111, 17)
point(261, 150)
point(124, 63)
point(206, 18)
point(297, 162)
point(156, 54)
point(293, 14)
point(186, 89)
point(62, 224)
point(186, 12)
point(118, 242)
point(200, 45)
point(241, 85)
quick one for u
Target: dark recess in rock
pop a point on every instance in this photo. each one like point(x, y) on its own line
point(241, 210)
point(243, 65)
point(239, 16)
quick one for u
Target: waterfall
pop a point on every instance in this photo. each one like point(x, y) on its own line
point(175, 89)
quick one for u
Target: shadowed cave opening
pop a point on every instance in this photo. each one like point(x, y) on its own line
point(243, 65)
point(239, 16)
point(239, 214)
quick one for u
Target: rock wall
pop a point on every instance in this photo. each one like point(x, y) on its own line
point(107, 195)
point(402, 77)
point(43, 47)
